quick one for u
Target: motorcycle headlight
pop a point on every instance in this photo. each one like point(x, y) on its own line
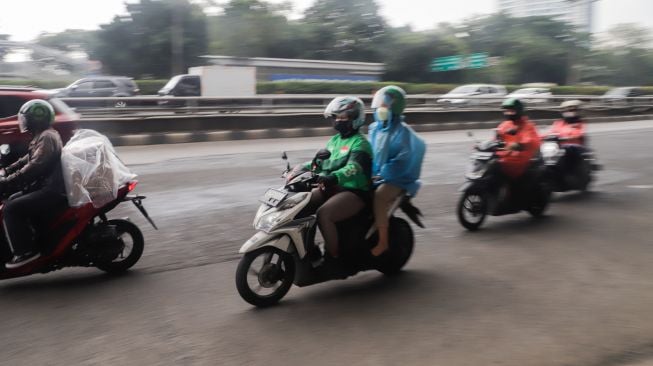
point(268, 221)
point(550, 150)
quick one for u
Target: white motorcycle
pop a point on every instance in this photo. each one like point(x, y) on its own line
point(277, 255)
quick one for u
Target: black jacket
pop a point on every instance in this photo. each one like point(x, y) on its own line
point(40, 168)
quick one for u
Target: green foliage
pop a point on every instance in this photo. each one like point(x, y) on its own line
point(69, 40)
point(41, 84)
point(150, 87)
point(532, 49)
point(345, 30)
point(141, 44)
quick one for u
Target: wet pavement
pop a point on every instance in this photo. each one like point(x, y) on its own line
point(574, 288)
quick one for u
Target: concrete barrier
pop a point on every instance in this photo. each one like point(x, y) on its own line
point(184, 129)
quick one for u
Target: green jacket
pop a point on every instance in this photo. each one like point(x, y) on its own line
point(350, 162)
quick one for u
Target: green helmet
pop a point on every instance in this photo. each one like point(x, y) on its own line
point(352, 106)
point(35, 115)
point(514, 104)
point(393, 97)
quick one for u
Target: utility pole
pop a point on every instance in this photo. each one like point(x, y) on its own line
point(177, 38)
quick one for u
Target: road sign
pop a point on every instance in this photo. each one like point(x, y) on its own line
point(477, 61)
point(449, 63)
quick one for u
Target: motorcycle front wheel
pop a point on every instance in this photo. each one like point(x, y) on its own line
point(472, 210)
point(264, 276)
point(540, 202)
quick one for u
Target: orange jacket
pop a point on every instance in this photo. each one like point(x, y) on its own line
point(573, 133)
point(515, 163)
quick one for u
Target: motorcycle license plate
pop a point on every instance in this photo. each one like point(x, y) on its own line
point(273, 197)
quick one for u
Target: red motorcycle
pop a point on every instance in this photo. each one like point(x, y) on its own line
point(83, 237)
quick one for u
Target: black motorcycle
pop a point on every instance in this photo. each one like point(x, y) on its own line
point(569, 167)
point(488, 191)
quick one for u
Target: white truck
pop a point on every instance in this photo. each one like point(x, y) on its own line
point(212, 81)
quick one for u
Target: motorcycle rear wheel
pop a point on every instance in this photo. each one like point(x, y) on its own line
point(276, 274)
point(136, 244)
point(402, 242)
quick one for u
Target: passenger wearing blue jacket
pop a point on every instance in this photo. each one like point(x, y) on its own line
point(398, 155)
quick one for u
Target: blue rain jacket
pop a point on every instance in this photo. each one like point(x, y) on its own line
point(398, 154)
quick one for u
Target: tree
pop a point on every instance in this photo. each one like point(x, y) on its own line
point(69, 40)
point(254, 28)
point(345, 30)
point(532, 49)
point(626, 58)
point(141, 44)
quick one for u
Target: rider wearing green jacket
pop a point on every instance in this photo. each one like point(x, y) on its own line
point(345, 178)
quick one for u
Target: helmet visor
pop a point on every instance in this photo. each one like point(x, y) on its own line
point(22, 122)
point(381, 99)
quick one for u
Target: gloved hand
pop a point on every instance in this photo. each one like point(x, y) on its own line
point(515, 146)
point(327, 181)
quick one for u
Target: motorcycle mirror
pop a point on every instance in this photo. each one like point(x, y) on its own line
point(284, 156)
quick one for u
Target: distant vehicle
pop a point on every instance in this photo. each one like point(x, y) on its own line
point(532, 95)
point(184, 85)
point(212, 81)
point(481, 93)
point(100, 86)
point(11, 99)
point(624, 92)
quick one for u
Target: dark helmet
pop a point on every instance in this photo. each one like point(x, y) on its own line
point(35, 115)
point(515, 105)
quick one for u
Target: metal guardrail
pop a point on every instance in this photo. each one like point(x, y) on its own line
point(152, 106)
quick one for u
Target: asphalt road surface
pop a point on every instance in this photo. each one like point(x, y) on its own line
point(573, 288)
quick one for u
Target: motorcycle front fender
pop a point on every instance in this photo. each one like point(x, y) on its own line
point(471, 184)
point(262, 239)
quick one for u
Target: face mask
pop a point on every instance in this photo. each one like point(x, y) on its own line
point(570, 117)
point(511, 117)
point(382, 113)
point(344, 128)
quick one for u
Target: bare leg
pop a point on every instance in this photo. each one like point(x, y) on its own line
point(383, 199)
point(337, 208)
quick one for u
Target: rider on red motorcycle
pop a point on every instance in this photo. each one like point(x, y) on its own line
point(521, 139)
point(38, 179)
point(571, 128)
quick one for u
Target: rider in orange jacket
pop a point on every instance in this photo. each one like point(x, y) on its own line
point(571, 128)
point(521, 138)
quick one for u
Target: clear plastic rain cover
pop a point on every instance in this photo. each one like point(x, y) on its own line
point(92, 170)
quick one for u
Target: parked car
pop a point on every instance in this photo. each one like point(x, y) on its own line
point(532, 95)
point(481, 93)
point(11, 99)
point(100, 86)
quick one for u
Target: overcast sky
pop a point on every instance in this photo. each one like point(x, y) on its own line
point(25, 19)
